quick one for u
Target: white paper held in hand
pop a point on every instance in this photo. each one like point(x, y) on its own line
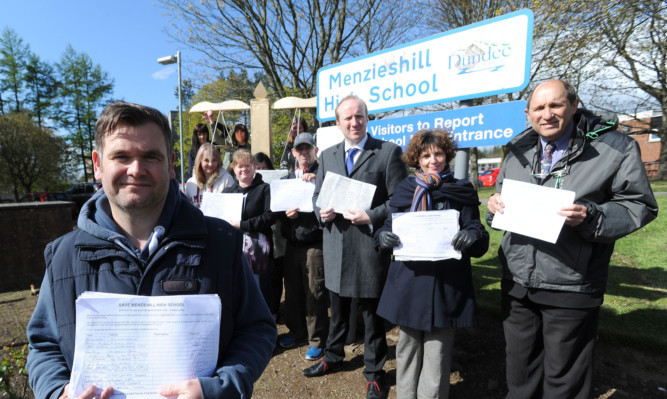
point(342, 193)
point(136, 344)
point(532, 210)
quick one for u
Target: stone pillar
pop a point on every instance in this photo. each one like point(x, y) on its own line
point(260, 121)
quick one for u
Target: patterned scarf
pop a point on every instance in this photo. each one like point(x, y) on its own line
point(421, 200)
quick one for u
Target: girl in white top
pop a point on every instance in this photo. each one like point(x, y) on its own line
point(208, 176)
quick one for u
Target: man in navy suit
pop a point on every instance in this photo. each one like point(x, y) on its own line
point(353, 267)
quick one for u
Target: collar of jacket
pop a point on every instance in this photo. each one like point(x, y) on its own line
point(256, 181)
point(588, 128)
point(188, 228)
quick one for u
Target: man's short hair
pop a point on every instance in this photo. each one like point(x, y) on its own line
point(570, 93)
point(129, 114)
point(351, 97)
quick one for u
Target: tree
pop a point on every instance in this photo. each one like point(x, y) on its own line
point(84, 87)
point(289, 40)
point(41, 88)
point(633, 46)
point(29, 155)
point(13, 58)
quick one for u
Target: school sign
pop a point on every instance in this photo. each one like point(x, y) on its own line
point(483, 59)
point(485, 125)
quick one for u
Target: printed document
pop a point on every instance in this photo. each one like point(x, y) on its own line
point(292, 193)
point(226, 206)
point(342, 193)
point(532, 210)
point(136, 344)
point(426, 235)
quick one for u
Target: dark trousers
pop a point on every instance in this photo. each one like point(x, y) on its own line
point(277, 284)
point(375, 342)
point(549, 350)
point(305, 294)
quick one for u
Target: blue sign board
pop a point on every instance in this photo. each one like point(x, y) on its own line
point(485, 125)
point(483, 59)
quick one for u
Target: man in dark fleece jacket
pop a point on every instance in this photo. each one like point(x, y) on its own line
point(552, 293)
point(139, 236)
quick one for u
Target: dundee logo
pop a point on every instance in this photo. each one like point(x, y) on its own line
point(479, 56)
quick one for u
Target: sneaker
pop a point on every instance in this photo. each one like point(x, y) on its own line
point(374, 391)
point(287, 341)
point(314, 353)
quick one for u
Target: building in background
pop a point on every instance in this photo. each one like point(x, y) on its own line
point(642, 127)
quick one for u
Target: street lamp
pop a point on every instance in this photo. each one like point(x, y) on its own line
point(176, 59)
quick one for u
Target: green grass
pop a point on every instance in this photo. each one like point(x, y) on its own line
point(486, 192)
point(659, 186)
point(635, 308)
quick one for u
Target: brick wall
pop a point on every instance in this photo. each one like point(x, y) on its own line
point(26, 229)
point(650, 149)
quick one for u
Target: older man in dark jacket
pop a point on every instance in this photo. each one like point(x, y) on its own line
point(552, 293)
point(305, 293)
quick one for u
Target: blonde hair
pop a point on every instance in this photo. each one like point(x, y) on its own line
point(200, 175)
point(242, 156)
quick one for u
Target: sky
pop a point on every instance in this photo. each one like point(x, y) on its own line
point(124, 37)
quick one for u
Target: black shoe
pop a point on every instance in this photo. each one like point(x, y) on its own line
point(373, 390)
point(320, 368)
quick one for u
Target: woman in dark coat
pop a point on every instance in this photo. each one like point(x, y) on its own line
point(428, 299)
point(256, 219)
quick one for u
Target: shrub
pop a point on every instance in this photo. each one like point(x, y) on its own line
point(13, 374)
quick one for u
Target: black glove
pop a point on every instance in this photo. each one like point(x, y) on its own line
point(388, 239)
point(464, 239)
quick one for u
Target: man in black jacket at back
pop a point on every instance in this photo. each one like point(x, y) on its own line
point(305, 294)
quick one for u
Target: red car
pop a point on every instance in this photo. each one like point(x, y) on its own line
point(488, 177)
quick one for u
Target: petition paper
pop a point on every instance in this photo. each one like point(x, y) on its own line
point(292, 193)
point(136, 344)
point(223, 206)
point(342, 193)
point(426, 235)
point(532, 210)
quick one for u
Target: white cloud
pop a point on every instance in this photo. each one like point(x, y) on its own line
point(164, 73)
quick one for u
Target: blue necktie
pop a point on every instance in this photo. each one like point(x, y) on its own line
point(350, 159)
point(549, 149)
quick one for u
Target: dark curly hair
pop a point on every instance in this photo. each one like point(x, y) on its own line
point(425, 139)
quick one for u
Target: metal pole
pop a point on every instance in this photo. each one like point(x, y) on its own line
point(180, 113)
point(462, 159)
